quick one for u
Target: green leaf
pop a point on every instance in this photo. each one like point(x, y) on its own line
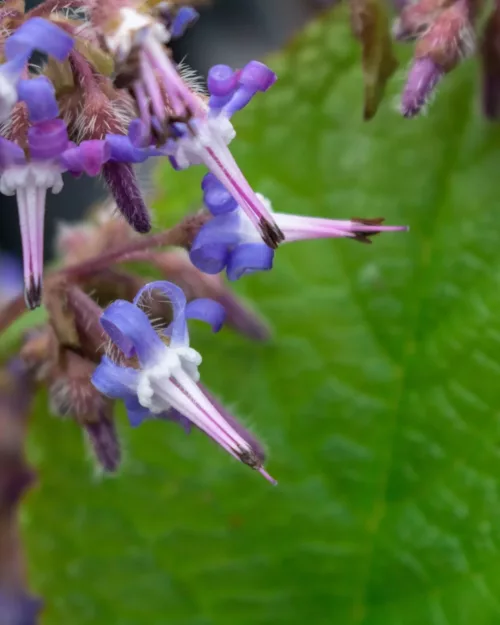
point(378, 399)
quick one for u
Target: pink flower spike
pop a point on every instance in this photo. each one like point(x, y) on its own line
point(299, 228)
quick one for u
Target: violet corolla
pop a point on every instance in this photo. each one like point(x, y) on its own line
point(38, 35)
point(205, 140)
point(228, 241)
point(156, 373)
point(33, 164)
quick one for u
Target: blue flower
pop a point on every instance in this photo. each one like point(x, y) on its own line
point(165, 381)
point(206, 139)
point(36, 34)
point(19, 608)
point(230, 242)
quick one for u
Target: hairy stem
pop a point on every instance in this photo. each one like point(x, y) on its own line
point(181, 235)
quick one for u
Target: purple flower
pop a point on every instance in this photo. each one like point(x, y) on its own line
point(229, 241)
point(19, 608)
point(206, 140)
point(423, 78)
point(177, 22)
point(165, 382)
point(30, 177)
point(128, 149)
point(35, 34)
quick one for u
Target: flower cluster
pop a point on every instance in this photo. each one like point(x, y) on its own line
point(91, 88)
point(105, 95)
point(109, 96)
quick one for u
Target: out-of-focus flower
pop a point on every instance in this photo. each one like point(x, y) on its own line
point(19, 608)
point(229, 241)
point(36, 34)
point(165, 374)
point(445, 36)
point(11, 278)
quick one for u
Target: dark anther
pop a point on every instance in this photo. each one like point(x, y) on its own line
point(250, 459)
point(33, 293)
point(271, 234)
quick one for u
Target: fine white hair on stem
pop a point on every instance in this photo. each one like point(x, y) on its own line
point(190, 76)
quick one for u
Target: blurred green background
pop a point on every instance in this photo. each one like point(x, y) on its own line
point(378, 398)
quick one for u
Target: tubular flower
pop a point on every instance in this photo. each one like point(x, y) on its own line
point(205, 140)
point(164, 382)
point(191, 131)
point(30, 172)
point(228, 241)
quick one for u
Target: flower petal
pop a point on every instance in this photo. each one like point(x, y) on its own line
point(47, 139)
point(213, 243)
point(39, 95)
point(10, 154)
point(136, 413)
point(39, 34)
point(222, 81)
point(207, 310)
point(131, 331)
point(248, 258)
point(217, 198)
point(186, 17)
point(177, 299)
point(115, 381)
point(257, 76)
point(124, 151)
point(254, 77)
point(88, 157)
